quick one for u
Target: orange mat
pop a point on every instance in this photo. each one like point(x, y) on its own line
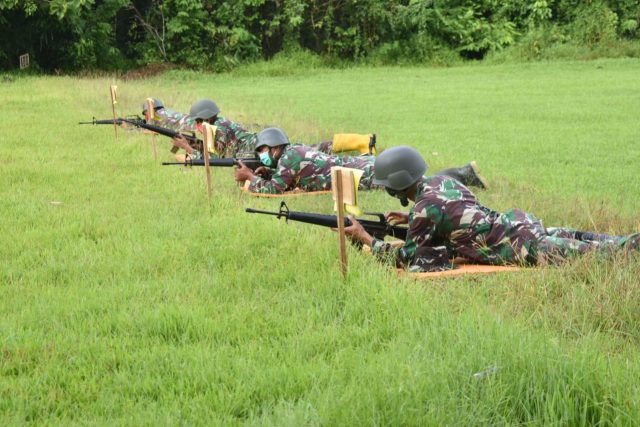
point(293, 193)
point(462, 270)
point(462, 267)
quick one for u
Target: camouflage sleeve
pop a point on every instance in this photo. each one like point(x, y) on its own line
point(419, 252)
point(197, 154)
point(232, 139)
point(223, 144)
point(187, 123)
point(283, 178)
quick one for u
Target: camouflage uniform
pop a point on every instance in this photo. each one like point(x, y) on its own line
point(179, 122)
point(233, 140)
point(447, 222)
point(323, 147)
point(304, 168)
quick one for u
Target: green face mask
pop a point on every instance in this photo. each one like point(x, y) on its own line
point(265, 159)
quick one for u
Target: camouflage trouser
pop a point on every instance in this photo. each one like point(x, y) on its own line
point(366, 181)
point(562, 243)
point(520, 238)
point(323, 147)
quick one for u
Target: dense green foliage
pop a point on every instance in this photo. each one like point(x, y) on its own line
point(128, 298)
point(217, 34)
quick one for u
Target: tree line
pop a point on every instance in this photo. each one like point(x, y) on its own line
point(72, 35)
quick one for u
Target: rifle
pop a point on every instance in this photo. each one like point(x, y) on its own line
point(139, 122)
point(251, 163)
point(378, 229)
point(117, 121)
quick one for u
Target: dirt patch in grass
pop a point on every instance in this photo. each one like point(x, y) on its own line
point(147, 71)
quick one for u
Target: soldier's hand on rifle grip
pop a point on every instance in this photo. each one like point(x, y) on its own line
point(243, 173)
point(261, 171)
point(181, 142)
point(395, 218)
point(356, 232)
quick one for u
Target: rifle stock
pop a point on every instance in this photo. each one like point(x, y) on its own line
point(193, 141)
point(378, 229)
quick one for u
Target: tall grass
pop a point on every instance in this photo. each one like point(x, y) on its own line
point(135, 300)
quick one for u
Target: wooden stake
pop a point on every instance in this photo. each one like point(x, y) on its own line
point(340, 203)
point(208, 134)
point(112, 91)
point(149, 118)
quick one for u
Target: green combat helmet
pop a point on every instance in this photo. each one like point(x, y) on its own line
point(272, 137)
point(157, 104)
point(398, 168)
point(204, 109)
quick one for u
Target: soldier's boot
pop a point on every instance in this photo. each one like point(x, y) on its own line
point(372, 144)
point(364, 144)
point(469, 175)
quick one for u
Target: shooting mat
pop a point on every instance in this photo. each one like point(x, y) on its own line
point(294, 193)
point(461, 269)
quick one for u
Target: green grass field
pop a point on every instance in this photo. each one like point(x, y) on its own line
point(137, 301)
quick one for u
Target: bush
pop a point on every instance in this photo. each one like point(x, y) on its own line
point(289, 62)
point(219, 35)
point(594, 24)
point(419, 49)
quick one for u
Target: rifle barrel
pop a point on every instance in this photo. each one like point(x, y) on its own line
point(102, 122)
point(225, 162)
point(250, 210)
point(378, 229)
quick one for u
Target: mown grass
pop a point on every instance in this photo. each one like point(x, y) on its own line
point(137, 301)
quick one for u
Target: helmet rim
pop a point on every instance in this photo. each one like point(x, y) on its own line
point(399, 168)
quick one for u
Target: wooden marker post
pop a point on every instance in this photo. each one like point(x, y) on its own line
point(114, 101)
point(149, 118)
point(207, 141)
point(340, 179)
point(24, 61)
